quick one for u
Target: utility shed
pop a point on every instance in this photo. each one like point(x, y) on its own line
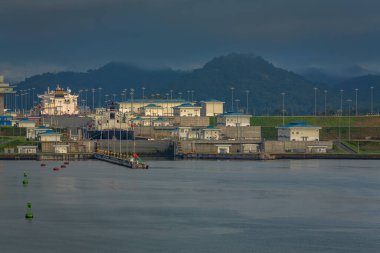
point(298, 131)
point(27, 149)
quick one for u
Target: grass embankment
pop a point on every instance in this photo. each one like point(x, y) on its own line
point(12, 131)
point(364, 147)
point(323, 121)
point(13, 141)
point(333, 127)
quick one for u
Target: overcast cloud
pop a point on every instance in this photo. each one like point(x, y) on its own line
point(51, 35)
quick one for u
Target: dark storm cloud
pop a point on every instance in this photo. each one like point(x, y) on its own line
point(77, 34)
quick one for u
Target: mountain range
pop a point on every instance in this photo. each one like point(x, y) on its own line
point(242, 72)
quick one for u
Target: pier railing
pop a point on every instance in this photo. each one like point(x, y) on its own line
point(123, 159)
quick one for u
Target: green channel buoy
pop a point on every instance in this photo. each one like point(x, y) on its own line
point(25, 181)
point(29, 213)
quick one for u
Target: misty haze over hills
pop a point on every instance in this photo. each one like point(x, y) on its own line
point(264, 81)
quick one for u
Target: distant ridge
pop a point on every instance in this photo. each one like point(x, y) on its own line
point(264, 81)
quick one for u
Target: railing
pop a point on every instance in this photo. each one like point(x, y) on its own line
point(121, 159)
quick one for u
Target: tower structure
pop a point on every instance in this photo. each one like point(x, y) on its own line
point(59, 102)
point(5, 89)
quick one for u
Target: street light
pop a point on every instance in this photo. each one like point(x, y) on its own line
point(100, 97)
point(341, 101)
point(167, 104)
point(283, 107)
point(180, 95)
point(349, 118)
point(171, 94)
point(325, 91)
point(132, 91)
point(371, 100)
point(356, 102)
point(143, 96)
point(33, 95)
point(86, 97)
point(315, 101)
point(232, 99)
point(237, 104)
point(246, 92)
point(93, 98)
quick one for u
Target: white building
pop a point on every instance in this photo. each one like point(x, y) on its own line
point(32, 133)
point(186, 133)
point(212, 107)
point(152, 110)
point(59, 102)
point(141, 121)
point(27, 149)
point(111, 118)
point(223, 148)
point(60, 149)
point(137, 105)
point(49, 136)
point(161, 122)
point(187, 110)
point(26, 123)
point(234, 119)
point(210, 133)
point(298, 131)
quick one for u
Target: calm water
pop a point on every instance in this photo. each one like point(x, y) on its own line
point(192, 206)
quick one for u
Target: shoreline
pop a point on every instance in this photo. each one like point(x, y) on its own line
point(255, 156)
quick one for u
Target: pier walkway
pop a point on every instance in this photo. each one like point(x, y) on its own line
point(133, 162)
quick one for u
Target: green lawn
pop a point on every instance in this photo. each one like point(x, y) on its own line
point(365, 147)
point(330, 121)
point(13, 141)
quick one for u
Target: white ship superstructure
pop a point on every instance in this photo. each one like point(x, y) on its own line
point(59, 102)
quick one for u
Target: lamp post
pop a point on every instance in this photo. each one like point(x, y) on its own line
point(106, 98)
point(315, 101)
point(232, 99)
point(93, 98)
point(349, 118)
point(180, 95)
point(325, 91)
point(188, 95)
point(237, 104)
point(132, 91)
point(283, 107)
point(371, 100)
point(171, 94)
point(167, 104)
point(192, 95)
point(100, 97)
point(33, 95)
point(356, 101)
point(86, 97)
point(246, 93)
point(341, 101)
point(143, 96)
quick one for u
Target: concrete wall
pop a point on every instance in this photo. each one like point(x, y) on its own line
point(293, 146)
point(210, 147)
point(143, 147)
point(153, 132)
point(248, 132)
point(73, 122)
point(191, 121)
point(74, 147)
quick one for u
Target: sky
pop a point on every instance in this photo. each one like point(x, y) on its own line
point(54, 35)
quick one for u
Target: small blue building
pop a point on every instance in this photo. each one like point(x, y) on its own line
point(6, 120)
